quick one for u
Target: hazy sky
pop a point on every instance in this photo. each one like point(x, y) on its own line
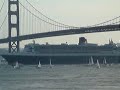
point(79, 13)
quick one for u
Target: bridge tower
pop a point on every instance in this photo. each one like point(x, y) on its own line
point(13, 25)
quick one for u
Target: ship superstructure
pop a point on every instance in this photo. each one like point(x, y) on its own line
point(67, 53)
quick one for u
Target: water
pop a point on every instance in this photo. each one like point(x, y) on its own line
point(60, 77)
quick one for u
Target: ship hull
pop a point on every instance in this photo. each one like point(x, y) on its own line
point(32, 60)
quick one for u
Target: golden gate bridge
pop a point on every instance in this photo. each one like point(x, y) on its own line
point(22, 21)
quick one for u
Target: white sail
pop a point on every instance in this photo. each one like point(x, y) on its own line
point(105, 62)
point(92, 62)
point(16, 65)
point(98, 65)
point(39, 65)
point(51, 63)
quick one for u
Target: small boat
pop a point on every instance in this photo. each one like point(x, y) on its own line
point(39, 65)
point(51, 66)
point(104, 61)
point(91, 62)
point(16, 66)
point(98, 65)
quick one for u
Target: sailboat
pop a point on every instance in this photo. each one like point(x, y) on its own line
point(51, 64)
point(39, 65)
point(98, 65)
point(92, 62)
point(104, 61)
point(16, 66)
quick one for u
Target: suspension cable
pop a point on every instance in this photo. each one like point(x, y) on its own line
point(106, 21)
point(39, 17)
point(2, 6)
point(48, 17)
point(3, 21)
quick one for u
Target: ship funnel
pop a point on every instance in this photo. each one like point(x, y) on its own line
point(82, 40)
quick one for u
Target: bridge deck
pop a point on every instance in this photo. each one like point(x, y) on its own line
point(106, 28)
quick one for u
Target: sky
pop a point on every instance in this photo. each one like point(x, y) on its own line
point(79, 13)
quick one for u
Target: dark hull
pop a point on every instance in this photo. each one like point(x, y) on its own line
point(32, 60)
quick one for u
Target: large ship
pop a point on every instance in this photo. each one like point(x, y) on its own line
point(66, 53)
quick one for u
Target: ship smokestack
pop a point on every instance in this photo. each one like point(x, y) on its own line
point(82, 40)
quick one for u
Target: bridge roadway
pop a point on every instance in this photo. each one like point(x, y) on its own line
point(83, 30)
